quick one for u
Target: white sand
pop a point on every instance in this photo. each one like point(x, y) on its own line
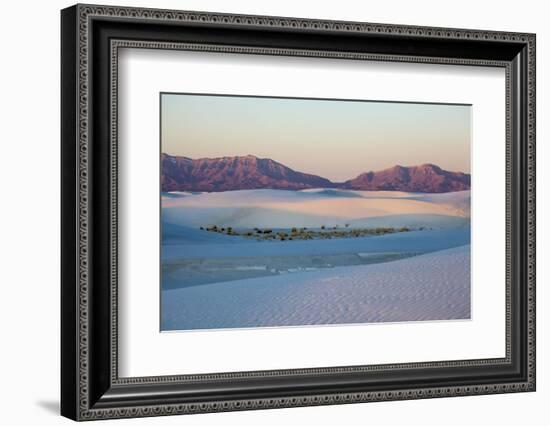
point(434, 286)
point(313, 208)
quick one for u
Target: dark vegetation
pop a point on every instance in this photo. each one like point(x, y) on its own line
point(290, 234)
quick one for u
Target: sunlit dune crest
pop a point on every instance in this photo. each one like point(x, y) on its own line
point(280, 208)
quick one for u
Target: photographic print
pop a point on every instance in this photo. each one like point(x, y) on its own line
point(280, 212)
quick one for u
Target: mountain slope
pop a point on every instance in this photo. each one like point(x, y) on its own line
point(250, 172)
point(232, 173)
point(424, 178)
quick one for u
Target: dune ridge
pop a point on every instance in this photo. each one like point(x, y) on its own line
point(279, 208)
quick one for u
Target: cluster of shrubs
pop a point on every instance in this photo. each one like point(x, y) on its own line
point(305, 233)
point(221, 230)
point(263, 231)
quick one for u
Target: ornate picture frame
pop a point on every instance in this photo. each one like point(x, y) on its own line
point(91, 38)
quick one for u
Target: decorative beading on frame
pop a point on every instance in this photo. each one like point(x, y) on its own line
point(114, 217)
point(531, 206)
point(298, 23)
point(82, 173)
point(302, 401)
point(85, 13)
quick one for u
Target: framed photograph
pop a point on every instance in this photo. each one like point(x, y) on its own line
point(263, 212)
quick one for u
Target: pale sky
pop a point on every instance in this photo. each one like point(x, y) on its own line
point(334, 139)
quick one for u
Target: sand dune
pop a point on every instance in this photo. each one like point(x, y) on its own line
point(414, 221)
point(355, 208)
point(434, 286)
point(279, 208)
point(249, 283)
point(222, 246)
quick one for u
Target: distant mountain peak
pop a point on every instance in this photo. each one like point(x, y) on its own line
point(429, 166)
point(234, 173)
point(250, 172)
point(423, 178)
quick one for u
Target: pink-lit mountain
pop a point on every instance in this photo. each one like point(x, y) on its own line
point(250, 172)
point(233, 173)
point(424, 178)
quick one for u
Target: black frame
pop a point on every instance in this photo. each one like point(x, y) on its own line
point(90, 386)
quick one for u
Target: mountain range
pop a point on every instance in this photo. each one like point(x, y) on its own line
point(250, 172)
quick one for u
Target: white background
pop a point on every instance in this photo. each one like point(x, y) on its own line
point(146, 352)
point(29, 229)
